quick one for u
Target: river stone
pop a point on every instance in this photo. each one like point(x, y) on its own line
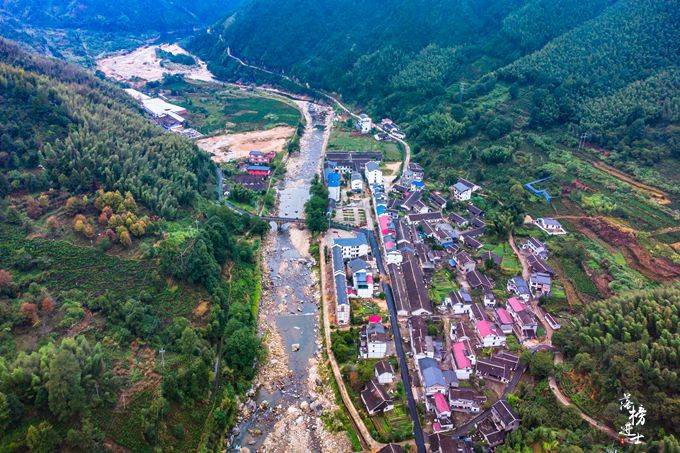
point(304, 405)
point(295, 347)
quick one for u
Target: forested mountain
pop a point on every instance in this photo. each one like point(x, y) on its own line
point(61, 127)
point(629, 344)
point(468, 73)
point(125, 15)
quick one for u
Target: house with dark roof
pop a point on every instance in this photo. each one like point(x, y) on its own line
point(375, 398)
point(517, 285)
point(537, 264)
point(411, 199)
point(540, 283)
point(399, 294)
point(437, 201)
point(416, 290)
point(459, 301)
point(470, 242)
point(508, 359)
point(492, 435)
point(461, 331)
point(422, 344)
point(474, 211)
point(526, 325)
point(489, 299)
point(392, 448)
point(252, 182)
point(384, 372)
point(466, 400)
point(442, 443)
point(478, 280)
point(477, 313)
point(458, 220)
point(490, 368)
point(535, 247)
point(504, 416)
point(464, 262)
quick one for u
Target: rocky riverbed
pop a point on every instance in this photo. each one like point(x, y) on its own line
point(282, 413)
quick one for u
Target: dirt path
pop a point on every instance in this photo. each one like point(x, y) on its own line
point(588, 419)
point(364, 433)
point(655, 194)
point(526, 272)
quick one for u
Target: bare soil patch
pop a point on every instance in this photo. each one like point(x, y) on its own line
point(637, 257)
point(142, 65)
point(228, 147)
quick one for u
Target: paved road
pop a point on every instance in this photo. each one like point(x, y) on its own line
point(399, 345)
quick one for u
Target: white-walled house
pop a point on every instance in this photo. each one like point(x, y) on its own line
point(373, 173)
point(353, 247)
point(489, 334)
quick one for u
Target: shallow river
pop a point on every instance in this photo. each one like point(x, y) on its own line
point(289, 289)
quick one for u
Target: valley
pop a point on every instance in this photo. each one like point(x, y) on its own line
point(292, 226)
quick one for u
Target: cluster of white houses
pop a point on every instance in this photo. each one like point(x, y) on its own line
point(350, 260)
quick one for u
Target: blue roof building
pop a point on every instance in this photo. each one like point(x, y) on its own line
point(333, 179)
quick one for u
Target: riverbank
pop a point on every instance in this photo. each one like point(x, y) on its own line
point(284, 411)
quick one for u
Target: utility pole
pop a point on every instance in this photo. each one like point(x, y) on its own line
point(582, 141)
point(462, 91)
point(161, 351)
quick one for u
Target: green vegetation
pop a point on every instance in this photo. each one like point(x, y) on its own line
point(443, 282)
point(626, 344)
point(213, 108)
point(112, 318)
point(316, 208)
point(178, 58)
point(342, 139)
point(63, 128)
point(124, 15)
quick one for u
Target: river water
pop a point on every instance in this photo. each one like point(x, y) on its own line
point(290, 296)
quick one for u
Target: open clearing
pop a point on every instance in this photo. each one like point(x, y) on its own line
point(228, 147)
point(142, 63)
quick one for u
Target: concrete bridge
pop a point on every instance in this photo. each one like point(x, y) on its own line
point(284, 220)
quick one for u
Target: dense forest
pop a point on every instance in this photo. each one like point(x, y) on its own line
point(117, 323)
point(629, 343)
point(464, 73)
point(63, 128)
point(119, 16)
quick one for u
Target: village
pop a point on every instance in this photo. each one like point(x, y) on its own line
point(461, 346)
point(414, 262)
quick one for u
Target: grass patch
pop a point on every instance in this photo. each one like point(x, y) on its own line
point(341, 139)
point(213, 108)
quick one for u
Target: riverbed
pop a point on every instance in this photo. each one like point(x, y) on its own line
point(284, 413)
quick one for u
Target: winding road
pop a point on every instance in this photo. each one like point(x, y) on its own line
point(407, 148)
point(547, 345)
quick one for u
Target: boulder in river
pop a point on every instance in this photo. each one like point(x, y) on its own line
point(295, 347)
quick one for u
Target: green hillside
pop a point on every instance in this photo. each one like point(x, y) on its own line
point(112, 251)
point(62, 128)
point(462, 73)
